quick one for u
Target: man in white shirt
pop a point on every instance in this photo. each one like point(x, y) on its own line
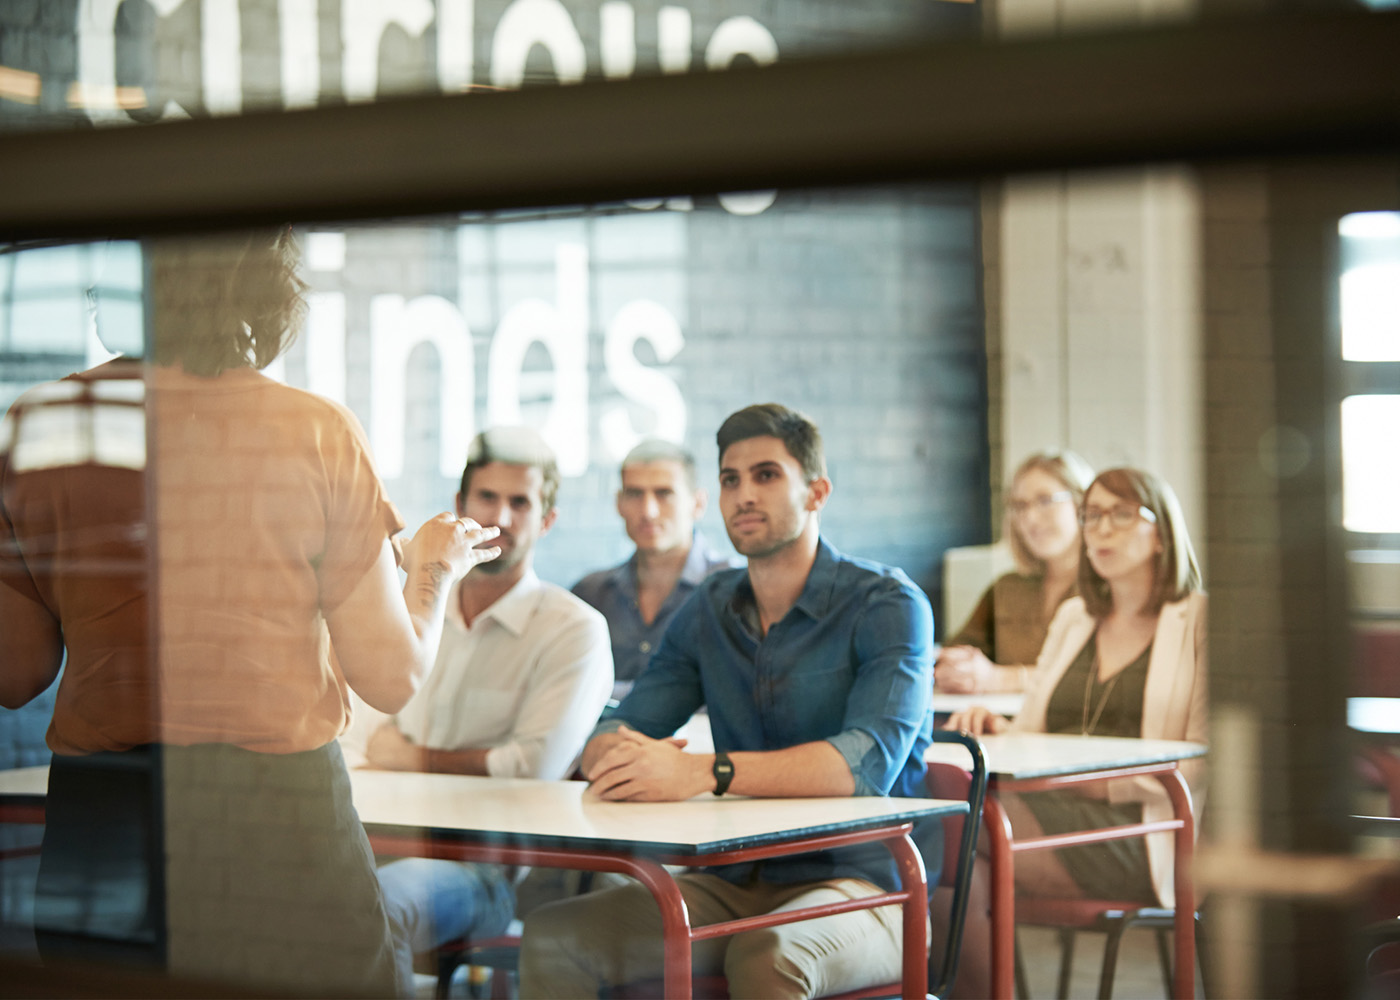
point(523, 672)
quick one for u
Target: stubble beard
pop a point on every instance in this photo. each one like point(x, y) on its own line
point(507, 560)
point(768, 545)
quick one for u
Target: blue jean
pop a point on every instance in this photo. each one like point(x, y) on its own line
point(432, 902)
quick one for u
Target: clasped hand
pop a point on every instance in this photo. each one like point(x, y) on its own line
point(637, 768)
point(963, 670)
point(390, 750)
point(978, 720)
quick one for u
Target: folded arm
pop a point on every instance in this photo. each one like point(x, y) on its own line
point(626, 764)
point(887, 708)
point(389, 749)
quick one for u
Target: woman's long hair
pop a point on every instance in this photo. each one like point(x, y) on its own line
point(225, 301)
point(1177, 573)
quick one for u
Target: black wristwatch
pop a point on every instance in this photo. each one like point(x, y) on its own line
point(723, 771)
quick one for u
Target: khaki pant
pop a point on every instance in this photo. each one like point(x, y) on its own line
point(575, 946)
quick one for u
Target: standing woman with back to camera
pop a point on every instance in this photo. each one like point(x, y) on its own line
point(198, 812)
point(1125, 658)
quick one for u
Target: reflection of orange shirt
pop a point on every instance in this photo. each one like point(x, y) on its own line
point(267, 512)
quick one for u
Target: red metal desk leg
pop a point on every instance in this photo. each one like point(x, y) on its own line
point(675, 926)
point(1185, 922)
point(675, 918)
point(677, 935)
point(1003, 890)
point(913, 879)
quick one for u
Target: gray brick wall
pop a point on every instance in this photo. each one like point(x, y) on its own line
point(862, 308)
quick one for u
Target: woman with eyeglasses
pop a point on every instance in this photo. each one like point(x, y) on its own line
point(996, 647)
point(1125, 658)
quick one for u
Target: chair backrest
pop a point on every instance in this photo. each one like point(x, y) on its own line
point(948, 782)
point(968, 570)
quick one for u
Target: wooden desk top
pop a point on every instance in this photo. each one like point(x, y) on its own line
point(562, 814)
point(1020, 756)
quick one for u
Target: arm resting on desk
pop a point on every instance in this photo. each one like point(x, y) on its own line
point(884, 693)
point(390, 750)
point(628, 765)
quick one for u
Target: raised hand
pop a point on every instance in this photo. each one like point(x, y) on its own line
point(451, 543)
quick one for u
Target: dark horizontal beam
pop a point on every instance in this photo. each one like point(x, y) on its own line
point(1241, 88)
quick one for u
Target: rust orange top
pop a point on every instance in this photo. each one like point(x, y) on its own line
point(266, 512)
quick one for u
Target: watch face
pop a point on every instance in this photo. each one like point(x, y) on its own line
point(723, 772)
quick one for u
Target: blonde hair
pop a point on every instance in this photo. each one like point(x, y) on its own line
point(1177, 573)
point(225, 301)
point(1072, 472)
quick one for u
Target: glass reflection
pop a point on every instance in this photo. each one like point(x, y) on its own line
point(194, 535)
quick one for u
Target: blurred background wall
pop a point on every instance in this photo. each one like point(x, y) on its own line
point(599, 325)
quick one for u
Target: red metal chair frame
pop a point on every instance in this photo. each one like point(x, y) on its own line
point(1111, 918)
point(677, 934)
point(972, 785)
point(1004, 846)
point(499, 954)
point(21, 811)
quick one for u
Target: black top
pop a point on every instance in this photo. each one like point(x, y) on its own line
point(1083, 705)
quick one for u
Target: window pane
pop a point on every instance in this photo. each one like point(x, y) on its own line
point(145, 63)
point(48, 323)
point(1371, 286)
point(1370, 474)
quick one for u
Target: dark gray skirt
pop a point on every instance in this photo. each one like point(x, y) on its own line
point(1114, 869)
point(218, 864)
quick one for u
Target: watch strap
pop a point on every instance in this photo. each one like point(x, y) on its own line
point(723, 772)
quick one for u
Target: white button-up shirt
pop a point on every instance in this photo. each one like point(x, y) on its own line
point(528, 679)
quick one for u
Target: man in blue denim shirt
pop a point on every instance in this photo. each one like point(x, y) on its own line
point(817, 672)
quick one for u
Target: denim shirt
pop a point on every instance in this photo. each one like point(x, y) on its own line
point(851, 663)
point(614, 593)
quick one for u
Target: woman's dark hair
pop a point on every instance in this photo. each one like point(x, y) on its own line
point(1177, 572)
point(226, 301)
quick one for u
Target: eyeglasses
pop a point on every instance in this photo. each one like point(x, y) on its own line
point(1020, 508)
point(1123, 515)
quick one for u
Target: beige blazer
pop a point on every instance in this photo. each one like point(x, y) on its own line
point(1174, 708)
